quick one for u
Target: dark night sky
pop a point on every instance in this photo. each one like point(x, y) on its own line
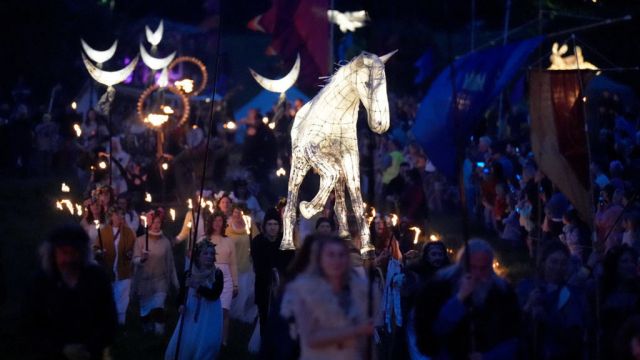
point(40, 38)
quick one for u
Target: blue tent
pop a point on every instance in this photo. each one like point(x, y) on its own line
point(265, 100)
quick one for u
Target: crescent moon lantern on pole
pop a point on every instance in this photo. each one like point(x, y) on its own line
point(154, 37)
point(155, 63)
point(109, 78)
point(99, 56)
point(279, 85)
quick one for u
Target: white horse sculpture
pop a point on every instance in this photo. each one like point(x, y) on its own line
point(324, 138)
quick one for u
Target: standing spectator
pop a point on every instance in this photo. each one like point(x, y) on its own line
point(155, 273)
point(70, 306)
point(609, 209)
point(620, 292)
point(202, 316)
point(47, 141)
point(631, 224)
point(115, 253)
point(243, 307)
point(131, 217)
point(385, 243)
point(443, 320)
point(329, 304)
point(227, 262)
point(324, 226)
point(266, 255)
point(391, 161)
point(223, 204)
point(92, 213)
point(242, 196)
point(556, 310)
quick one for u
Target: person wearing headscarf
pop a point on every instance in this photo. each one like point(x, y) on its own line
point(266, 256)
point(201, 313)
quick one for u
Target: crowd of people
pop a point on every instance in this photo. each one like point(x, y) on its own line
point(326, 299)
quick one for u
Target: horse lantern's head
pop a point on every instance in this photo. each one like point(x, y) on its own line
point(371, 85)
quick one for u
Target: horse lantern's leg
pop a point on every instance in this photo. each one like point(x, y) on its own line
point(329, 174)
point(351, 166)
point(299, 168)
point(341, 205)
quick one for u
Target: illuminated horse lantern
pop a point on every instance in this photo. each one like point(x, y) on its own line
point(324, 137)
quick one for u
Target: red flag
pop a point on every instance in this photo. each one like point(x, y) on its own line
point(558, 135)
point(298, 26)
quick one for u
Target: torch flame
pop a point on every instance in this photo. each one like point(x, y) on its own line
point(281, 172)
point(417, 235)
point(247, 223)
point(79, 209)
point(165, 166)
point(272, 126)
point(102, 165)
point(68, 204)
point(230, 125)
point(167, 110)
point(59, 205)
point(65, 188)
point(74, 106)
point(97, 224)
point(185, 85)
point(156, 119)
point(265, 120)
point(189, 224)
point(394, 219)
point(172, 213)
point(190, 203)
point(77, 129)
point(143, 217)
point(209, 204)
point(147, 197)
point(433, 237)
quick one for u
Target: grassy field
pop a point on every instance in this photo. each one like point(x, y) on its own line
point(29, 213)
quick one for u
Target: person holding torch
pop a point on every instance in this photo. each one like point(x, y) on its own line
point(115, 254)
point(155, 273)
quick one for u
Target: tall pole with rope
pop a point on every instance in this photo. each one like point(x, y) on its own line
point(191, 246)
point(459, 142)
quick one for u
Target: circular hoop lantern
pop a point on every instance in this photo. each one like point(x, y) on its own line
point(148, 91)
point(199, 64)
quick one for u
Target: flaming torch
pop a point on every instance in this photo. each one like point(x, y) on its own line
point(417, 235)
point(247, 224)
point(97, 224)
point(143, 217)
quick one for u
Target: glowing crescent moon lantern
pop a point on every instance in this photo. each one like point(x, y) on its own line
point(99, 56)
point(109, 78)
point(280, 85)
point(154, 37)
point(155, 63)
